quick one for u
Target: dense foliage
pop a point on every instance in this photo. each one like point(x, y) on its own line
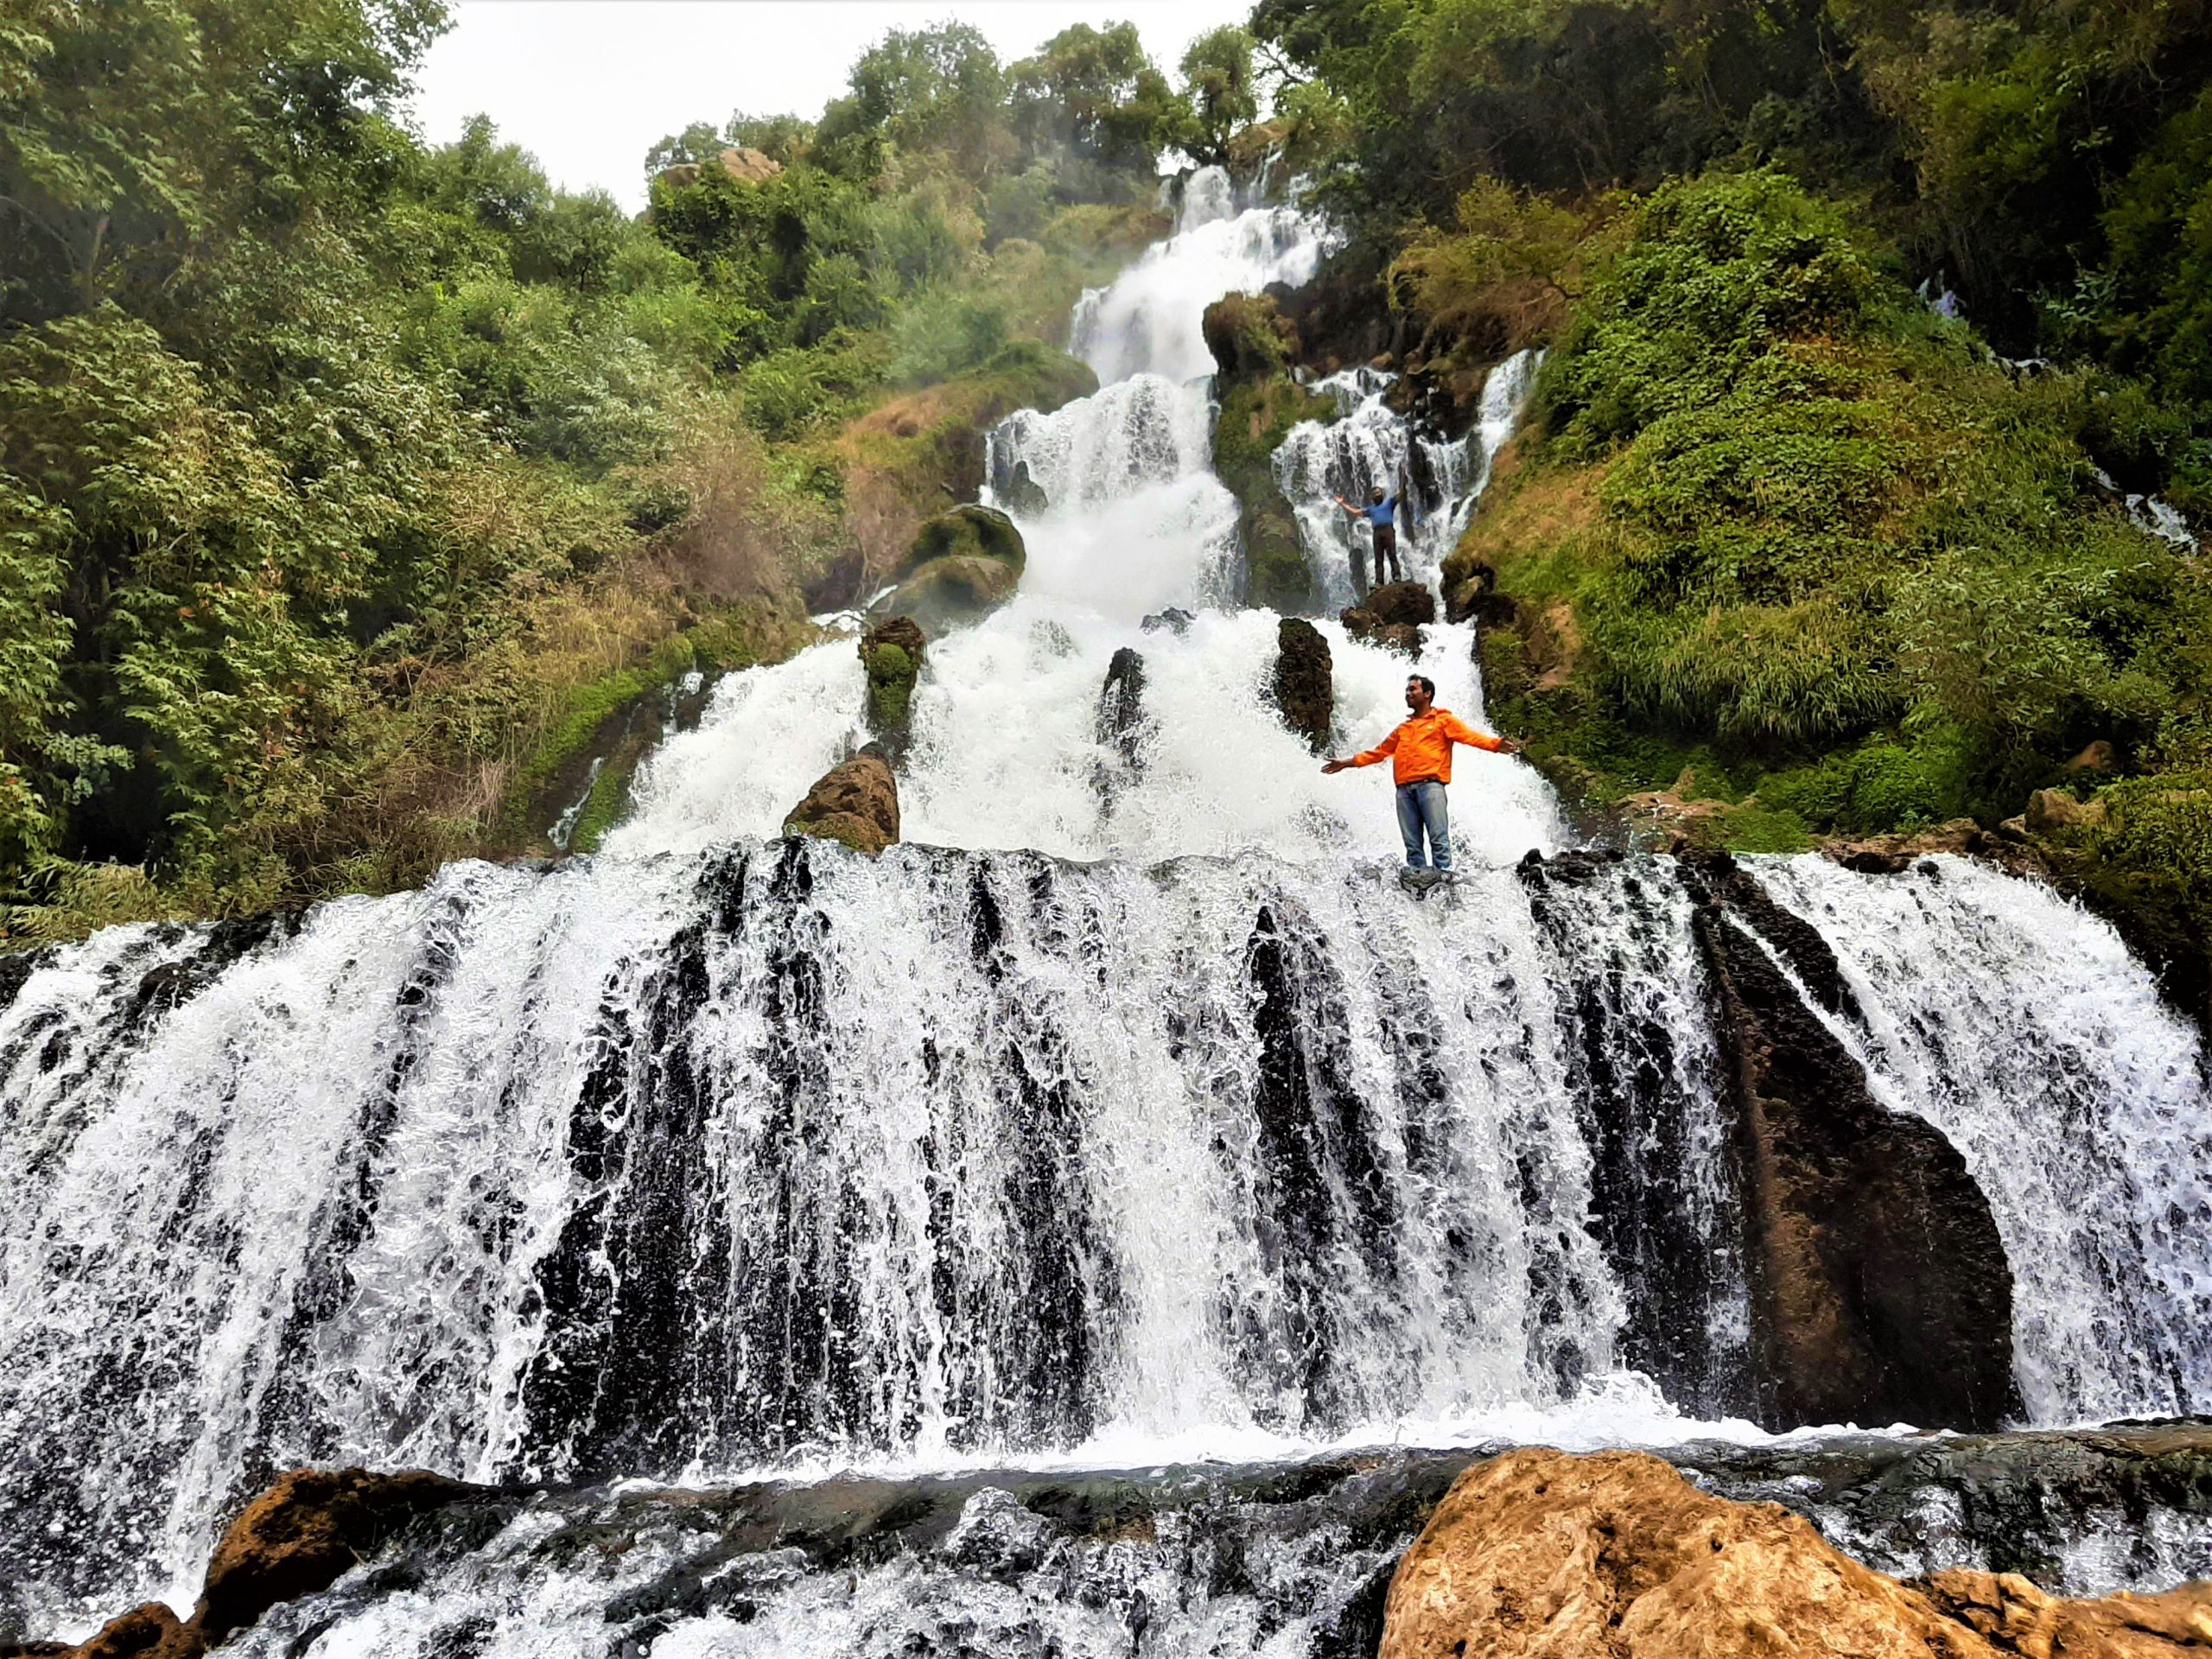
point(348, 483)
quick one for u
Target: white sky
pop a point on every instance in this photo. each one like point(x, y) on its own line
point(588, 85)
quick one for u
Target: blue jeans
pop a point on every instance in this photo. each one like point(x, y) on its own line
point(1421, 810)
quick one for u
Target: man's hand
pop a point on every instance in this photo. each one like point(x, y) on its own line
point(1333, 766)
point(1506, 746)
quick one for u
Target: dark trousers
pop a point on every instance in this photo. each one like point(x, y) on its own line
point(1387, 568)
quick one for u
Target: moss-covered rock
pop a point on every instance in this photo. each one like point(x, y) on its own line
point(954, 592)
point(892, 654)
point(1256, 417)
point(901, 462)
point(855, 803)
point(1248, 336)
point(969, 530)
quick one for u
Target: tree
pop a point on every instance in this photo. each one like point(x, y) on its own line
point(1093, 100)
point(1219, 81)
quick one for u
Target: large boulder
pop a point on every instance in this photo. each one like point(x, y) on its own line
point(1392, 615)
point(972, 530)
point(1540, 1554)
point(963, 564)
point(953, 592)
point(856, 801)
point(1257, 414)
point(1879, 1288)
point(296, 1538)
point(1248, 336)
point(892, 654)
point(1305, 687)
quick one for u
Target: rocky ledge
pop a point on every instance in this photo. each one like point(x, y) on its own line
point(1529, 1552)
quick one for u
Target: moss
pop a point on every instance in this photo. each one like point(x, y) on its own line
point(1256, 417)
point(984, 532)
point(891, 673)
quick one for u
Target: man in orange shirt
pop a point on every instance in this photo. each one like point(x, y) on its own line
point(1421, 764)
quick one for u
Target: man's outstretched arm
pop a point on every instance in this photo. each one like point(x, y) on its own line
point(1382, 751)
point(1460, 732)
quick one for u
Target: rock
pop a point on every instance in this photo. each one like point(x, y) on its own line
point(1304, 686)
point(1121, 704)
point(1248, 336)
point(749, 166)
point(1894, 854)
point(2098, 756)
point(952, 593)
point(1662, 816)
point(305, 1530)
point(149, 1632)
point(1400, 603)
point(1175, 620)
point(1392, 616)
point(972, 530)
point(745, 166)
point(1616, 1556)
point(2014, 1615)
point(293, 1540)
point(856, 801)
point(1880, 1291)
point(1470, 594)
point(2052, 812)
point(892, 653)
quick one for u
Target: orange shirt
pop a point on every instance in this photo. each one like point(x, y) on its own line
point(1421, 748)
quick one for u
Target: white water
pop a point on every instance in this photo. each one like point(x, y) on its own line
point(713, 1152)
point(2018, 1025)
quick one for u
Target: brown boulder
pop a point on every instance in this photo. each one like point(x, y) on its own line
point(1880, 1291)
point(1305, 687)
point(856, 801)
point(749, 166)
point(1616, 1556)
point(295, 1538)
point(2098, 756)
point(2053, 811)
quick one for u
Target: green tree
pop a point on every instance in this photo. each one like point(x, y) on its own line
point(1220, 82)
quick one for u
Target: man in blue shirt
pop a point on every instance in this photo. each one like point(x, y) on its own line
point(1382, 511)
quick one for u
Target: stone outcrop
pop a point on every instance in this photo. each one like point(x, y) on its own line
point(746, 165)
point(856, 801)
point(892, 654)
point(1393, 616)
point(1880, 1291)
point(295, 1538)
point(1121, 704)
point(1248, 336)
point(962, 565)
point(1305, 687)
point(1616, 1556)
point(1470, 594)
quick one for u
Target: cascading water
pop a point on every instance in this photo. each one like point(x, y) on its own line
point(1127, 1107)
point(1371, 445)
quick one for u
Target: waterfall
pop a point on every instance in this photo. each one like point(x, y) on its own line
point(1092, 1123)
point(1369, 445)
point(2016, 1024)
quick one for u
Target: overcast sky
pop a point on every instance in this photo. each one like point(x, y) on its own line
point(587, 85)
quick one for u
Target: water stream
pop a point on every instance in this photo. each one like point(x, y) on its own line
point(1126, 1111)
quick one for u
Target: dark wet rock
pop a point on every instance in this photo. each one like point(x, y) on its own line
point(1879, 1288)
point(892, 653)
point(1314, 1539)
point(856, 801)
point(1393, 616)
point(1470, 594)
point(1174, 619)
point(1121, 704)
point(1304, 687)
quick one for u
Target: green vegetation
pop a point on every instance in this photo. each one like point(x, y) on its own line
point(1787, 551)
point(355, 492)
